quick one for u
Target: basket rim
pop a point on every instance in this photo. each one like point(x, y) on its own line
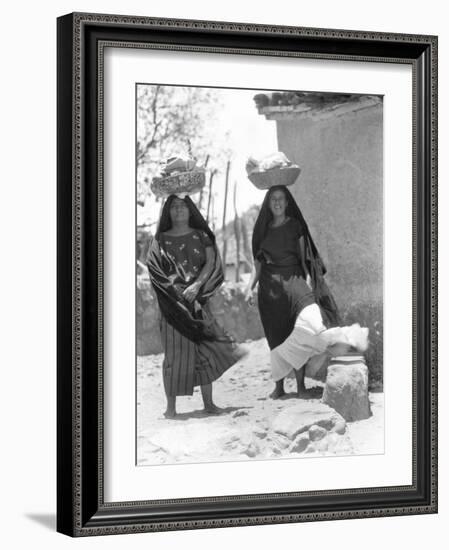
point(275, 168)
point(180, 174)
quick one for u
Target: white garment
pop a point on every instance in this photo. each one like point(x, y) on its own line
point(310, 339)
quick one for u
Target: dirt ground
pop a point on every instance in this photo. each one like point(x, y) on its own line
point(244, 430)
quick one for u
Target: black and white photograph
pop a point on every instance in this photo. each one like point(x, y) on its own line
point(259, 274)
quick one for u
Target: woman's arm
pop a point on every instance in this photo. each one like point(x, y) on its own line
point(302, 258)
point(255, 274)
point(191, 292)
point(207, 267)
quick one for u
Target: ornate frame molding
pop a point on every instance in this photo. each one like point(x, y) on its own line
point(82, 511)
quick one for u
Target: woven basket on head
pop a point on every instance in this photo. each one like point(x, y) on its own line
point(183, 182)
point(286, 175)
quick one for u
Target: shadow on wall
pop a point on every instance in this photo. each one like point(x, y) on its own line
point(243, 323)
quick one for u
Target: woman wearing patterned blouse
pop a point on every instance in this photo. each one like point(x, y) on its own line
point(185, 271)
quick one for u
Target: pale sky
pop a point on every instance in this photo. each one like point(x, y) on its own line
point(250, 134)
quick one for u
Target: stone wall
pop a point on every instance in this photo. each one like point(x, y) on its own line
point(243, 322)
point(228, 307)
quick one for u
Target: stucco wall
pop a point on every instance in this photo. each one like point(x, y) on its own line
point(340, 194)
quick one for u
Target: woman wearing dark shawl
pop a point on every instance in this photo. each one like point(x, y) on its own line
point(296, 306)
point(185, 271)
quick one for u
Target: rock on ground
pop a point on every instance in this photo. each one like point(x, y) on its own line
point(346, 391)
point(299, 418)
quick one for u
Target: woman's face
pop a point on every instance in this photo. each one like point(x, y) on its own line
point(278, 203)
point(179, 212)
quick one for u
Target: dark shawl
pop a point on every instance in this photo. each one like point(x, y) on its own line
point(311, 259)
point(179, 313)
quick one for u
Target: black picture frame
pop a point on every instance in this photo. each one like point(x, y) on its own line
point(81, 510)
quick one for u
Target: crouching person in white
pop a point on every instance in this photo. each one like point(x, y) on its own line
point(311, 342)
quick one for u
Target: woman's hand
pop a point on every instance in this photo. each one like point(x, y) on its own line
point(249, 296)
point(309, 281)
point(191, 292)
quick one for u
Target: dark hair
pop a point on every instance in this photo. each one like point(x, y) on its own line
point(266, 216)
point(175, 197)
point(282, 188)
point(196, 220)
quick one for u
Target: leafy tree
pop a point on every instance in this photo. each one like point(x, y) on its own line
point(169, 118)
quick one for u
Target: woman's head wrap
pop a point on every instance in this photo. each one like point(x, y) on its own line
point(312, 259)
point(265, 218)
point(187, 320)
point(196, 220)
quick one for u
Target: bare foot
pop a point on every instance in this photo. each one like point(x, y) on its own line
point(170, 413)
point(213, 409)
point(277, 393)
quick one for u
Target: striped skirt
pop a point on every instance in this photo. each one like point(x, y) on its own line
point(188, 364)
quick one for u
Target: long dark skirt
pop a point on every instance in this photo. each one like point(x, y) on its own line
point(282, 294)
point(188, 364)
